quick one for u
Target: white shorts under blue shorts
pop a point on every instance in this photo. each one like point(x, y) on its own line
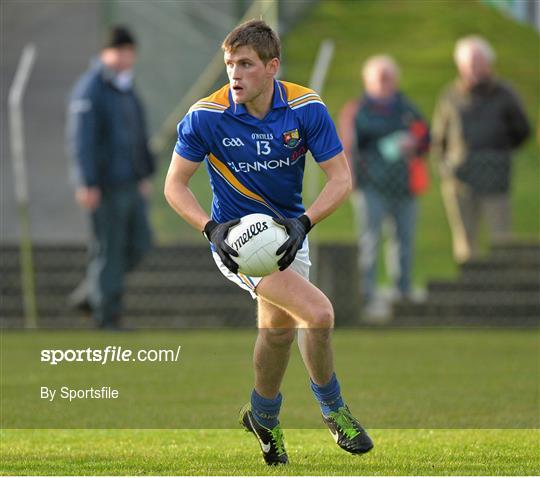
point(301, 264)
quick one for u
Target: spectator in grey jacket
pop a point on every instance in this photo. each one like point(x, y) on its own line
point(478, 122)
point(108, 141)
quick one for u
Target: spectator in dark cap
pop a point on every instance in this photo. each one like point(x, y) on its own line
point(113, 165)
point(119, 36)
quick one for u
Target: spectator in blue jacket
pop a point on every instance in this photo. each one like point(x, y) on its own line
point(108, 141)
point(385, 137)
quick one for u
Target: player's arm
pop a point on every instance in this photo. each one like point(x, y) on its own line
point(178, 194)
point(336, 190)
point(183, 201)
point(347, 131)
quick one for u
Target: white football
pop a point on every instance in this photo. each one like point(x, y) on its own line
point(256, 238)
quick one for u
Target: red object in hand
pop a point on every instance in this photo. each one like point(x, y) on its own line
point(418, 170)
point(418, 176)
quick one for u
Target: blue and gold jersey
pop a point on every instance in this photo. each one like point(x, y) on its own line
point(257, 166)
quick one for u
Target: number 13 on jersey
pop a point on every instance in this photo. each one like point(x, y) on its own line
point(263, 147)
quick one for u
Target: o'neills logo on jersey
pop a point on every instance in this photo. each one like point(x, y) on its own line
point(267, 136)
point(253, 230)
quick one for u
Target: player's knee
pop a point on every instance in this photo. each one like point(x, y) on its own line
point(322, 317)
point(280, 337)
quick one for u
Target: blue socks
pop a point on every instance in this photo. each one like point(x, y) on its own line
point(329, 395)
point(265, 410)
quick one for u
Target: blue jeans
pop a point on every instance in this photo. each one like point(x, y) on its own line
point(402, 211)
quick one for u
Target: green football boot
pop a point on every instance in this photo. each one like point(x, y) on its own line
point(270, 440)
point(347, 432)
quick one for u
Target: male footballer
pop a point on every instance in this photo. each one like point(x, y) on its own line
point(254, 134)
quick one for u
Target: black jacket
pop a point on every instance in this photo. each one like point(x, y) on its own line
point(474, 133)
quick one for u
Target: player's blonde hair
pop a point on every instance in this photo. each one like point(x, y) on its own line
point(256, 34)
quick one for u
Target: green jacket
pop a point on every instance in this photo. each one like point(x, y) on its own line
point(474, 133)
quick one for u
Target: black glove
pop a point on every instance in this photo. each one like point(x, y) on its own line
point(216, 233)
point(297, 229)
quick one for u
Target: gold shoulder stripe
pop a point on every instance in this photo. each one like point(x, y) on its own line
point(219, 97)
point(305, 99)
point(309, 101)
point(203, 107)
point(217, 101)
point(211, 104)
point(295, 92)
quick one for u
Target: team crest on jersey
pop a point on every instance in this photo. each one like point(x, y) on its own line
point(291, 138)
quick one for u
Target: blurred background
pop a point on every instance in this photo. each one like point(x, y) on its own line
point(180, 61)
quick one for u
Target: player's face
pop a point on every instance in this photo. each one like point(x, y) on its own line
point(248, 75)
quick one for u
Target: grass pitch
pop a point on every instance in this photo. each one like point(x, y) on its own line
point(233, 452)
point(415, 390)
